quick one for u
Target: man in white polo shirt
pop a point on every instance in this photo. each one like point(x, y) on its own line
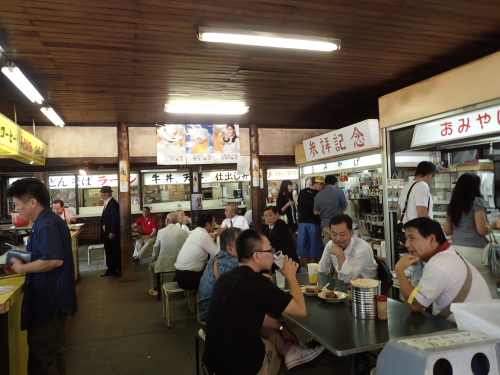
point(193, 256)
point(351, 256)
point(447, 277)
point(232, 219)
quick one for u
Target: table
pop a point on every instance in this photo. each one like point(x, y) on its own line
point(334, 326)
point(16, 231)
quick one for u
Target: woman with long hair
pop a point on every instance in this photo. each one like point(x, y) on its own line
point(466, 222)
point(231, 140)
point(286, 204)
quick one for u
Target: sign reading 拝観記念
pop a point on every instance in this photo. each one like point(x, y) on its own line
point(358, 137)
point(470, 124)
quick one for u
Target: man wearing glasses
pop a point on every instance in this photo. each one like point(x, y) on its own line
point(351, 256)
point(241, 338)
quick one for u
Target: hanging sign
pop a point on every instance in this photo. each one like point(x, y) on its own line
point(470, 124)
point(355, 138)
point(282, 174)
point(167, 178)
point(336, 166)
point(20, 144)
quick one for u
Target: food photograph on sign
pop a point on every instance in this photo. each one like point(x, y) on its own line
point(227, 139)
point(200, 139)
point(171, 144)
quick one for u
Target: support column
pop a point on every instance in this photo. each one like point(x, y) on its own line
point(254, 172)
point(124, 202)
point(42, 176)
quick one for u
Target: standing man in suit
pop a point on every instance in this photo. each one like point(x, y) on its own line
point(110, 233)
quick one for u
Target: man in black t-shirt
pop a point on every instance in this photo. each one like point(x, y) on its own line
point(309, 240)
point(241, 338)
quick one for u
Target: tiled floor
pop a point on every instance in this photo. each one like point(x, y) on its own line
point(119, 329)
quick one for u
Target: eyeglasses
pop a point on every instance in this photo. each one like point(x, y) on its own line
point(272, 251)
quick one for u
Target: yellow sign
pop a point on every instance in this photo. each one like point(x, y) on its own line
point(9, 136)
point(20, 144)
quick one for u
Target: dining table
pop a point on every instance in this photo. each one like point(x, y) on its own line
point(334, 326)
point(15, 231)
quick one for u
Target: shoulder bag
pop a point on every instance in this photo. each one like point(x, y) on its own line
point(494, 253)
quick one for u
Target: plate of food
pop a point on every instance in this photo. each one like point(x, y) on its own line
point(311, 290)
point(332, 296)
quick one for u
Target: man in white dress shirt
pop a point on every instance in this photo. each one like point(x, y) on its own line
point(232, 219)
point(182, 220)
point(193, 256)
point(169, 242)
point(351, 256)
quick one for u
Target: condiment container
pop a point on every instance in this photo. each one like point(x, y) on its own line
point(382, 308)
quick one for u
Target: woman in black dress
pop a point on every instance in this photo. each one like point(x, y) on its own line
point(286, 205)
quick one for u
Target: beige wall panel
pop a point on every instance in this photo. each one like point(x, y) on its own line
point(142, 141)
point(469, 84)
point(283, 141)
point(78, 141)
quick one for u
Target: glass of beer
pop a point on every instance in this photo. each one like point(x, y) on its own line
point(312, 268)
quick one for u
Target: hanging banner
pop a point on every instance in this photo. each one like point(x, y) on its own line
point(92, 181)
point(465, 125)
point(197, 144)
point(354, 138)
point(20, 144)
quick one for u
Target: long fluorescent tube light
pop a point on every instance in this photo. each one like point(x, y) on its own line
point(207, 109)
point(52, 116)
point(256, 38)
point(17, 77)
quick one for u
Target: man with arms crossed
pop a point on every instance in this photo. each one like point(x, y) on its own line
point(241, 338)
point(328, 203)
point(49, 291)
point(445, 272)
point(351, 256)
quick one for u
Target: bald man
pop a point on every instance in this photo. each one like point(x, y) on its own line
point(183, 220)
point(232, 219)
point(168, 243)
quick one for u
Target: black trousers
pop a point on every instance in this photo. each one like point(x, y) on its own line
point(46, 347)
point(188, 280)
point(112, 248)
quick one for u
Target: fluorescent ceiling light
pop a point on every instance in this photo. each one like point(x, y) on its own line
point(17, 77)
point(206, 108)
point(255, 38)
point(52, 116)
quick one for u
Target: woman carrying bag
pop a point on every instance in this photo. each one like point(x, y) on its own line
point(467, 223)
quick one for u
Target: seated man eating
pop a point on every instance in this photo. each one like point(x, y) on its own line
point(446, 278)
point(241, 338)
point(351, 256)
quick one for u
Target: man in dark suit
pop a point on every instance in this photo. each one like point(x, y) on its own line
point(110, 233)
point(278, 234)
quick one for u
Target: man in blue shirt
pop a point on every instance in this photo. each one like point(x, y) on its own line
point(225, 260)
point(328, 203)
point(49, 291)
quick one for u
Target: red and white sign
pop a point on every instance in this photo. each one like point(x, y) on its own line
point(358, 137)
point(470, 124)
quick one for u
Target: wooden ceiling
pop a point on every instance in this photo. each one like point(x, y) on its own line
point(102, 62)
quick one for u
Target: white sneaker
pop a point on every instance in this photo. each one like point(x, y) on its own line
point(302, 355)
point(153, 292)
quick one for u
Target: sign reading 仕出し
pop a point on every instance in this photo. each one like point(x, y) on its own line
point(361, 136)
point(19, 144)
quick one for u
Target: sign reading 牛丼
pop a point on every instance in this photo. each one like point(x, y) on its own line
point(358, 137)
point(470, 124)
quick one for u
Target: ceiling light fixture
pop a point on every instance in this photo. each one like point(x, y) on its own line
point(17, 77)
point(84, 171)
point(52, 116)
point(256, 38)
point(207, 108)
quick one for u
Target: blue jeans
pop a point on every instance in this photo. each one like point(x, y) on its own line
point(309, 241)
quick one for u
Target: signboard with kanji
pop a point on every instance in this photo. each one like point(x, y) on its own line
point(470, 124)
point(362, 136)
point(167, 178)
point(282, 174)
point(20, 144)
point(84, 182)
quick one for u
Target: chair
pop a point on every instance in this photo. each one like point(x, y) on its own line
point(95, 247)
point(159, 281)
point(191, 297)
point(200, 339)
point(384, 275)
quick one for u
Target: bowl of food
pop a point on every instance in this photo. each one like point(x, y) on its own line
point(18, 221)
point(332, 296)
point(310, 290)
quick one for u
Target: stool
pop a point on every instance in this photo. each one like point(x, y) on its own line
point(200, 339)
point(95, 247)
point(190, 297)
point(159, 281)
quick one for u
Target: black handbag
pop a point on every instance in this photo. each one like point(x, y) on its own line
point(23, 256)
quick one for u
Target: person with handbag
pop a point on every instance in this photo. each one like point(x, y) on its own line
point(447, 277)
point(467, 223)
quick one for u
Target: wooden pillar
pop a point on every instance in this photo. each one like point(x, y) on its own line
point(264, 190)
point(254, 173)
point(124, 202)
point(43, 176)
